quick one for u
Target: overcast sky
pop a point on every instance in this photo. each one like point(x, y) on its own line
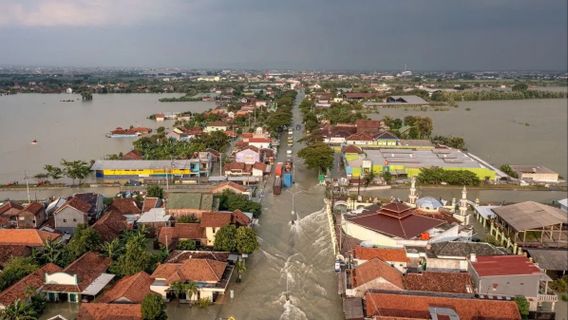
point(309, 34)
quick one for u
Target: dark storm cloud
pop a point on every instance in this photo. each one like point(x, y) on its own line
point(376, 35)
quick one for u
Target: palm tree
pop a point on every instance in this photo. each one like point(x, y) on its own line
point(110, 248)
point(177, 288)
point(241, 268)
point(52, 251)
point(18, 310)
point(190, 290)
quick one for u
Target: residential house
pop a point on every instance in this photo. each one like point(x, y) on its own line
point(455, 255)
point(237, 169)
point(188, 203)
point(260, 143)
point(368, 126)
point(396, 257)
point(111, 225)
point(19, 290)
point(126, 207)
point(155, 218)
point(130, 289)
point(32, 216)
point(234, 187)
point(389, 305)
point(133, 155)
point(406, 100)
point(109, 311)
point(511, 276)
point(73, 213)
point(150, 203)
point(170, 236)
point(9, 213)
point(210, 276)
point(216, 126)
point(26, 237)
point(212, 222)
point(84, 278)
point(552, 261)
point(248, 155)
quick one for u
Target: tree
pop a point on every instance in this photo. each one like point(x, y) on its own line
point(508, 170)
point(84, 239)
point(110, 248)
point(154, 190)
point(76, 170)
point(317, 156)
point(523, 306)
point(387, 176)
point(188, 218)
point(52, 251)
point(177, 288)
point(86, 96)
point(246, 240)
point(186, 245)
point(191, 289)
point(19, 310)
point(231, 201)
point(520, 87)
point(369, 177)
point(15, 269)
point(225, 239)
point(135, 257)
point(154, 307)
point(41, 177)
point(53, 172)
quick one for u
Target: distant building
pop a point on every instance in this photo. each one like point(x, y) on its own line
point(216, 126)
point(199, 166)
point(535, 173)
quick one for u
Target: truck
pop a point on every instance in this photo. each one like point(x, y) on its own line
point(278, 169)
point(287, 177)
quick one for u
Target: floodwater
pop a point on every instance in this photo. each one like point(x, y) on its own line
point(530, 132)
point(72, 130)
point(295, 259)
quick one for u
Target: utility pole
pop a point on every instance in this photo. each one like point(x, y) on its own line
point(27, 187)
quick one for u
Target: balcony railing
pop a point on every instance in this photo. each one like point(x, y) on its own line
point(547, 298)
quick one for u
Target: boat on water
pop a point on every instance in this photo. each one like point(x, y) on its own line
point(34, 141)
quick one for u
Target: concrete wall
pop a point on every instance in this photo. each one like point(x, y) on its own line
point(69, 218)
point(365, 234)
point(378, 283)
point(510, 285)
point(441, 264)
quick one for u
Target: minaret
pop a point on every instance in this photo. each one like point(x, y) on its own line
point(412, 197)
point(463, 202)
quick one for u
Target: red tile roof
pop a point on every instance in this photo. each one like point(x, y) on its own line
point(134, 288)
point(169, 235)
point(395, 219)
point(259, 140)
point(87, 268)
point(228, 185)
point(360, 137)
point(351, 148)
point(376, 268)
point(9, 251)
point(34, 208)
point(132, 155)
point(26, 237)
point(449, 282)
point(239, 218)
point(396, 306)
point(260, 166)
point(150, 202)
point(215, 219)
point(10, 208)
point(35, 280)
point(110, 225)
point(504, 265)
point(385, 254)
point(125, 205)
point(199, 270)
point(109, 311)
point(78, 204)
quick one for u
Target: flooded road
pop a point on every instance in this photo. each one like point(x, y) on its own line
point(73, 130)
point(294, 261)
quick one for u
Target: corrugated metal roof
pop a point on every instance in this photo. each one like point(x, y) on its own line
point(141, 164)
point(530, 215)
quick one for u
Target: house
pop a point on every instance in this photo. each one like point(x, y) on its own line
point(188, 203)
point(368, 126)
point(237, 169)
point(396, 257)
point(170, 236)
point(9, 213)
point(150, 203)
point(406, 100)
point(155, 218)
point(82, 208)
point(396, 224)
point(511, 276)
point(389, 305)
point(377, 139)
point(84, 278)
point(259, 169)
point(248, 155)
point(160, 117)
point(130, 289)
point(32, 216)
point(109, 311)
point(260, 142)
point(111, 225)
point(377, 274)
point(455, 255)
point(552, 261)
point(529, 224)
point(7, 252)
point(535, 173)
point(32, 238)
point(133, 155)
point(127, 207)
point(234, 187)
point(213, 222)
point(215, 126)
point(19, 290)
point(211, 277)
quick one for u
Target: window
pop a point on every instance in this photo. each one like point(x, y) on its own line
point(64, 220)
point(74, 220)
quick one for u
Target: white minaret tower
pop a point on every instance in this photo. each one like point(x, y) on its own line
point(412, 197)
point(463, 202)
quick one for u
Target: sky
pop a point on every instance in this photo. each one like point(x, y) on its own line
point(424, 35)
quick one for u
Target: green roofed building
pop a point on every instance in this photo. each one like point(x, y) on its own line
point(188, 203)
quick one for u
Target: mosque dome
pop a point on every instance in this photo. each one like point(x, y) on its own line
point(428, 203)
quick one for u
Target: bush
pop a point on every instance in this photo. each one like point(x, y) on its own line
point(508, 170)
point(453, 177)
point(189, 218)
point(523, 306)
point(186, 245)
point(204, 302)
